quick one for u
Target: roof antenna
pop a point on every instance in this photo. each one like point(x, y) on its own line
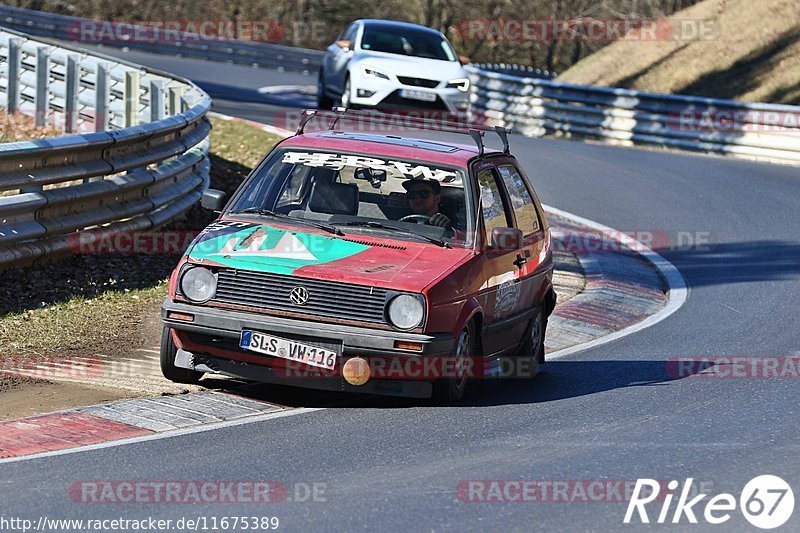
point(339, 112)
point(503, 134)
point(477, 136)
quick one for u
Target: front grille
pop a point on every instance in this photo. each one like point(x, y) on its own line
point(418, 82)
point(327, 299)
point(395, 102)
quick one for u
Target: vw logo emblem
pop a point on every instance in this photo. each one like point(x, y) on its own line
point(299, 295)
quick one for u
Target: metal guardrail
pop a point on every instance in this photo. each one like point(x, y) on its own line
point(513, 69)
point(258, 54)
point(538, 107)
point(525, 99)
point(142, 161)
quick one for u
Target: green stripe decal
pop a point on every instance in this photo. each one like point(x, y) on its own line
point(268, 249)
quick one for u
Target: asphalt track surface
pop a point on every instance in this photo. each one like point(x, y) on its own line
point(611, 412)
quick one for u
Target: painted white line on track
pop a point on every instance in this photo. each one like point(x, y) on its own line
point(278, 89)
point(678, 291)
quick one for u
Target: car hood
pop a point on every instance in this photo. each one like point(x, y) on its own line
point(379, 262)
point(433, 69)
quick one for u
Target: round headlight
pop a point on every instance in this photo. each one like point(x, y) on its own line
point(405, 312)
point(198, 284)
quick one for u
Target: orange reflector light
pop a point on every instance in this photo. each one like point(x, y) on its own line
point(405, 345)
point(184, 317)
point(356, 371)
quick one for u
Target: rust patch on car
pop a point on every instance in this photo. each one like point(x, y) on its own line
point(379, 268)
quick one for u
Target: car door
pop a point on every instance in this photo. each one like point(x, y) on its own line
point(338, 59)
point(501, 290)
point(533, 261)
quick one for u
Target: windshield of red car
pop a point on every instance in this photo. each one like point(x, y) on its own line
point(350, 190)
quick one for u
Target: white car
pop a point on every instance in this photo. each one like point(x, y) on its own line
point(393, 66)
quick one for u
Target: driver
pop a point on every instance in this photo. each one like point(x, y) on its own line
point(423, 197)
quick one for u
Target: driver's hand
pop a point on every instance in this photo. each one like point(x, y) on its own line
point(440, 220)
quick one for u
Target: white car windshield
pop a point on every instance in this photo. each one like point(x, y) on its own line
point(362, 194)
point(407, 42)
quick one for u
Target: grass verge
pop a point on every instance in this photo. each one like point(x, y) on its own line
point(752, 54)
point(88, 304)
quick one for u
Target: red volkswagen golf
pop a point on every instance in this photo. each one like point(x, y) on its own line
point(366, 263)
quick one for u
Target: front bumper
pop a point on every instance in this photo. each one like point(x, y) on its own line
point(386, 94)
point(211, 323)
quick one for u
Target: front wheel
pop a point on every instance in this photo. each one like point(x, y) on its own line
point(324, 101)
point(167, 360)
point(452, 388)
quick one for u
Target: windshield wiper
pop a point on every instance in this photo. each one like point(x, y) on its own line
point(378, 225)
point(268, 213)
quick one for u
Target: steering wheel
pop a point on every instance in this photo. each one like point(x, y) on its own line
point(419, 219)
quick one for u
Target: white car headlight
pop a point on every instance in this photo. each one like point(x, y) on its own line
point(372, 72)
point(462, 84)
point(405, 311)
point(198, 284)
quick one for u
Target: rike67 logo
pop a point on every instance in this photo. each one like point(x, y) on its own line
point(766, 502)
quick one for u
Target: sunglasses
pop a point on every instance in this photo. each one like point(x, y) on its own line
point(418, 194)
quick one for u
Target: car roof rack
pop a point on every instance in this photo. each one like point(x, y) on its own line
point(475, 131)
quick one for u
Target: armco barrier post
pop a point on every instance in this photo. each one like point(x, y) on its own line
point(14, 62)
point(42, 84)
point(131, 98)
point(156, 100)
point(101, 98)
point(175, 94)
point(71, 100)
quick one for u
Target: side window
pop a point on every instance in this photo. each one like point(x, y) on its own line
point(350, 35)
point(521, 202)
point(494, 213)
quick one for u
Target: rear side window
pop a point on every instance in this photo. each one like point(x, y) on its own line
point(494, 214)
point(521, 201)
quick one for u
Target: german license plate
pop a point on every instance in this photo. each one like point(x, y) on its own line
point(418, 95)
point(288, 349)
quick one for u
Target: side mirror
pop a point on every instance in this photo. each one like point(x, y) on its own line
point(214, 200)
point(506, 238)
point(344, 45)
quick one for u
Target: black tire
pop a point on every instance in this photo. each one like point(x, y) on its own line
point(453, 389)
point(324, 101)
point(533, 345)
point(167, 358)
